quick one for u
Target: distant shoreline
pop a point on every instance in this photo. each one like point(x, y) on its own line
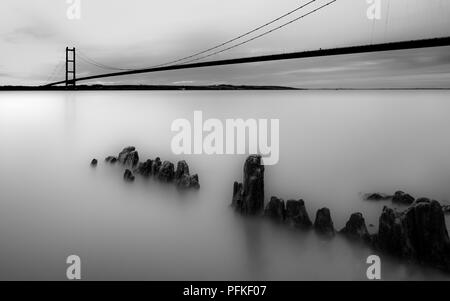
point(143, 87)
point(186, 88)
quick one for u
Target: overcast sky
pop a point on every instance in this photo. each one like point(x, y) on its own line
point(140, 33)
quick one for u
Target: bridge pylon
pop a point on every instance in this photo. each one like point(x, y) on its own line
point(70, 67)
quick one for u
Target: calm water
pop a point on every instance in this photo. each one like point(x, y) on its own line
point(334, 146)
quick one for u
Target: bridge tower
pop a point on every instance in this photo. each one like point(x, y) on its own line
point(70, 67)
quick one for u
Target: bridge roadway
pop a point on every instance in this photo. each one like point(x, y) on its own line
point(414, 44)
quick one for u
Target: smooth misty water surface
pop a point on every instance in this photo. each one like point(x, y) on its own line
point(334, 146)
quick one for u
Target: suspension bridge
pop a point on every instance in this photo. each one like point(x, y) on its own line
point(195, 60)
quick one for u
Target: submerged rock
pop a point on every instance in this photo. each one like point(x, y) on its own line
point(187, 181)
point(296, 214)
point(249, 197)
point(402, 198)
point(323, 223)
point(182, 177)
point(377, 197)
point(128, 176)
point(166, 172)
point(392, 236)
point(132, 159)
point(129, 156)
point(419, 233)
point(194, 181)
point(124, 153)
point(111, 159)
point(182, 169)
point(237, 201)
point(356, 227)
point(94, 162)
point(275, 209)
point(145, 168)
point(156, 166)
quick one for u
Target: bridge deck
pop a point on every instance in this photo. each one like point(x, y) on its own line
point(436, 42)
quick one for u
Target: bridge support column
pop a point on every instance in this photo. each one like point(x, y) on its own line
point(70, 67)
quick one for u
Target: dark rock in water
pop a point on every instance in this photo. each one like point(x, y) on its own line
point(402, 198)
point(111, 159)
point(392, 234)
point(94, 162)
point(428, 233)
point(162, 171)
point(323, 223)
point(250, 197)
point(377, 197)
point(187, 181)
point(446, 209)
point(422, 200)
point(128, 175)
point(182, 177)
point(419, 233)
point(237, 201)
point(132, 159)
point(124, 153)
point(356, 227)
point(374, 197)
point(156, 166)
point(182, 169)
point(275, 209)
point(194, 182)
point(129, 156)
point(145, 168)
point(166, 172)
point(296, 214)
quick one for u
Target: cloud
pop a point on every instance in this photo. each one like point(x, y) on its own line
point(26, 33)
